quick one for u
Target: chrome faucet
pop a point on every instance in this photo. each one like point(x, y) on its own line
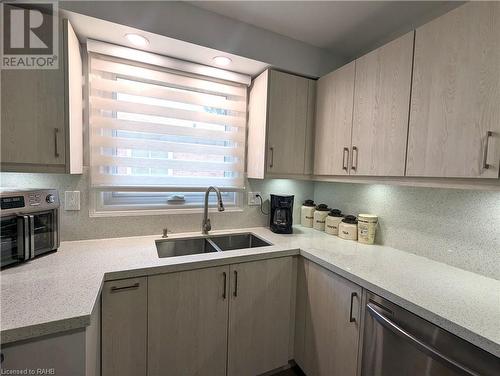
point(205, 224)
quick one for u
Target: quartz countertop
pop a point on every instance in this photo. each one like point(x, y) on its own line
point(58, 292)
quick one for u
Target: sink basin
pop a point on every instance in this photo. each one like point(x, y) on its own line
point(183, 247)
point(238, 241)
point(216, 243)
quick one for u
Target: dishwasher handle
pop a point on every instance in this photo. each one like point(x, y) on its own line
point(422, 346)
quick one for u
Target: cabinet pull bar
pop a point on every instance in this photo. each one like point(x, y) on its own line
point(352, 319)
point(235, 293)
point(271, 163)
point(354, 166)
point(225, 285)
point(345, 161)
point(486, 165)
point(134, 286)
point(56, 146)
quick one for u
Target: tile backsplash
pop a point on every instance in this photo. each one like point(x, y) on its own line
point(458, 227)
point(77, 225)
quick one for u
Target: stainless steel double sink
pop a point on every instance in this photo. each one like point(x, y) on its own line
point(207, 244)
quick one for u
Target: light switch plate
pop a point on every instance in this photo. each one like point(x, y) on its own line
point(253, 200)
point(72, 200)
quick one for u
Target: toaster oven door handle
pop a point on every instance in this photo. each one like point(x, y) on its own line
point(55, 227)
point(26, 231)
point(32, 235)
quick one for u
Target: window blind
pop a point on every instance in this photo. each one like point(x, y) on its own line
point(158, 129)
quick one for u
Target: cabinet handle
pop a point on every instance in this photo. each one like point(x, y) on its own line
point(352, 319)
point(345, 161)
point(485, 156)
point(134, 286)
point(235, 293)
point(225, 285)
point(56, 146)
point(354, 165)
point(271, 163)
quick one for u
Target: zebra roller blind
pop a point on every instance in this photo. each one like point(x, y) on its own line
point(158, 129)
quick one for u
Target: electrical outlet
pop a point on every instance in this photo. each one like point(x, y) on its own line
point(72, 200)
point(253, 200)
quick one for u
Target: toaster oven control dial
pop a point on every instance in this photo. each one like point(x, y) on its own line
point(50, 199)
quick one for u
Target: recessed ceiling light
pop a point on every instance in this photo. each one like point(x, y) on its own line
point(222, 60)
point(137, 40)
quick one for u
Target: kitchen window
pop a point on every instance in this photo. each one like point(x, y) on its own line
point(159, 137)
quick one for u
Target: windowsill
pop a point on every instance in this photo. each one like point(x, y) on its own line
point(134, 213)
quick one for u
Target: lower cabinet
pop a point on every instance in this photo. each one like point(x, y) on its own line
point(75, 352)
point(124, 327)
point(187, 322)
point(260, 316)
point(326, 341)
point(228, 320)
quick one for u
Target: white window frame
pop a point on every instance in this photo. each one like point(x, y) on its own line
point(98, 207)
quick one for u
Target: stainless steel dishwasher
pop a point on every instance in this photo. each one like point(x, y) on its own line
point(397, 342)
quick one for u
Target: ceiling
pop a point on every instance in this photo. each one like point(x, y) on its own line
point(93, 28)
point(347, 28)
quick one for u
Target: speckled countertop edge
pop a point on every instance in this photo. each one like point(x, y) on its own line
point(460, 331)
point(364, 265)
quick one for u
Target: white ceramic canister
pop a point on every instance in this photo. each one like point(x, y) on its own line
point(332, 222)
point(367, 226)
point(320, 216)
point(348, 228)
point(307, 213)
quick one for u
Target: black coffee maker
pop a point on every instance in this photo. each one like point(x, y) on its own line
point(281, 214)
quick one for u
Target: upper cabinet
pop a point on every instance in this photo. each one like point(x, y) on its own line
point(455, 103)
point(280, 125)
point(334, 102)
point(381, 103)
point(41, 120)
point(362, 114)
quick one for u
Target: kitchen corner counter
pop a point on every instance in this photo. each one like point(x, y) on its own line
point(58, 292)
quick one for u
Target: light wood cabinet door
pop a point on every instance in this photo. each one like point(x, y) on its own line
point(456, 95)
point(299, 351)
point(287, 127)
point(124, 327)
point(280, 139)
point(381, 104)
point(41, 118)
point(259, 316)
point(187, 322)
point(334, 104)
point(310, 128)
point(332, 323)
point(33, 131)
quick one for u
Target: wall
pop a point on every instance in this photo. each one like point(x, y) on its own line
point(458, 227)
point(77, 225)
point(183, 21)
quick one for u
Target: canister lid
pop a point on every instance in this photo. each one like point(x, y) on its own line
point(350, 219)
point(335, 213)
point(322, 207)
point(368, 218)
point(308, 203)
